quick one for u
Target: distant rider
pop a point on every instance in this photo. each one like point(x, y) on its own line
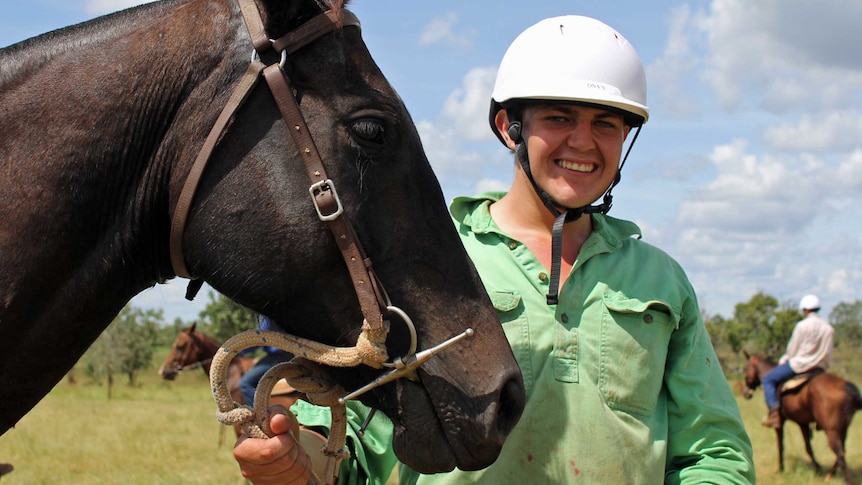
point(810, 347)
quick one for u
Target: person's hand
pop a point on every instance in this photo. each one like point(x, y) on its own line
point(277, 460)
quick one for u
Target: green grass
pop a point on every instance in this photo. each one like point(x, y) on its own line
point(158, 432)
point(166, 433)
point(798, 468)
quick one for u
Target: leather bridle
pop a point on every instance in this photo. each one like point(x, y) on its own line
point(374, 302)
point(372, 299)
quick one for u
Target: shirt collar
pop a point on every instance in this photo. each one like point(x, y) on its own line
point(475, 212)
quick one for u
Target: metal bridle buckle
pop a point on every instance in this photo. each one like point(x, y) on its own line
point(255, 56)
point(320, 187)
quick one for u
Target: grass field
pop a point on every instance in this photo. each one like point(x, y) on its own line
point(160, 432)
point(166, 433)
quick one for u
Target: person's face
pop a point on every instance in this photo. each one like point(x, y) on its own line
point(574, 150)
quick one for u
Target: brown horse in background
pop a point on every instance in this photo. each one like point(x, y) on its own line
point(825, 399)
point(193, 349)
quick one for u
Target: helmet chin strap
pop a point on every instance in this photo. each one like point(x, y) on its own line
point(567, 215)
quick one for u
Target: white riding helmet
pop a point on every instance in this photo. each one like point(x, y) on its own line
point(809, 302)
point(572, 58)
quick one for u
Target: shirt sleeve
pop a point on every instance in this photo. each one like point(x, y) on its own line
point(707, 441)
point(371, 457)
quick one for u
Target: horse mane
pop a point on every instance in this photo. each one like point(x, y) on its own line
point(203, 340)
point(18, 60)
point(335, 5)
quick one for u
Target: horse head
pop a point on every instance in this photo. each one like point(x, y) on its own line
point(255, 200)
point(186, 352)
point(752, 373)
point(95, 199)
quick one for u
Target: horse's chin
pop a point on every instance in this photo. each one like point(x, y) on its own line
point(418, 440)
point(429, 443)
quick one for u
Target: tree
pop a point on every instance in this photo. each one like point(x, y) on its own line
point(762, 323)
point(847, 320)
point(223, 318)
point(716, 326)
point(126, 346)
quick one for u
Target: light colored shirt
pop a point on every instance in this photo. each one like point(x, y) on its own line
point(622, 382)
point(810, 345)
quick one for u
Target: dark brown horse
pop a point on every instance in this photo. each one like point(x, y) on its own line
point(101, 125)
point(826, 400)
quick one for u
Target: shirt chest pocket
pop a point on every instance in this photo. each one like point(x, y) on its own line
point(634, 345)
point(513, 317)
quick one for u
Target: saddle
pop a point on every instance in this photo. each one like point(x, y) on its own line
point(796, 383)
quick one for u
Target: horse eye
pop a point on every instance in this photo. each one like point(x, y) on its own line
point(368, 129)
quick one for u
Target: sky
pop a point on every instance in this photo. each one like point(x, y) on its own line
point(749, 171)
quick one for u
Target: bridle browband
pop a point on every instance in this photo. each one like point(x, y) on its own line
point(372, 299)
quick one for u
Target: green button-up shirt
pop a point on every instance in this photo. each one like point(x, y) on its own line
point(623, 385)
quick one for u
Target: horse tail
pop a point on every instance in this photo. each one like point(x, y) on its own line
point(854, 394)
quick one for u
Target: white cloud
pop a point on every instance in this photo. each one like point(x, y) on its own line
point(841, 282)
point(849, 174)
point(170, 297)
point(835, 131)
point(784, 55)
point(759, 194)
point(454, 166)
point(491, 185)
point(667, 74)
point(442, 30)
point(101, 7)
point(463, 151)
point(466, 108)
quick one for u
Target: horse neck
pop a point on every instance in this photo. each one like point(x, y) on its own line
point(125, 163)
point(207, 348)
point(764, 366)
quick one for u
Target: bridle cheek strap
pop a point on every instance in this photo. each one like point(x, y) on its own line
point(326, 199)
point(322, 190)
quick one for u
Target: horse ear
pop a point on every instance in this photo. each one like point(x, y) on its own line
point(192, 329)
point(745, 354)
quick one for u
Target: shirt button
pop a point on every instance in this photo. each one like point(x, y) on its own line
point(543, 277)
point(564, 318)
point(513, 245)
point(648, 318)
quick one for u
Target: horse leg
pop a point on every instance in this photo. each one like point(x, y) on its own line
point(806, 435)
point(836, 441)
point(779, 433)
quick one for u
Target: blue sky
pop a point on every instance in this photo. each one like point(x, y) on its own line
point(749, 171)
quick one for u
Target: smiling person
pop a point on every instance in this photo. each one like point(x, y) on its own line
point(622, 382)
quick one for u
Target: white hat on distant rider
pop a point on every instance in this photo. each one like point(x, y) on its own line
point(809, 302)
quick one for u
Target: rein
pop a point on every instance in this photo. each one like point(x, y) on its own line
point(370, 348)
point(193, 365)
